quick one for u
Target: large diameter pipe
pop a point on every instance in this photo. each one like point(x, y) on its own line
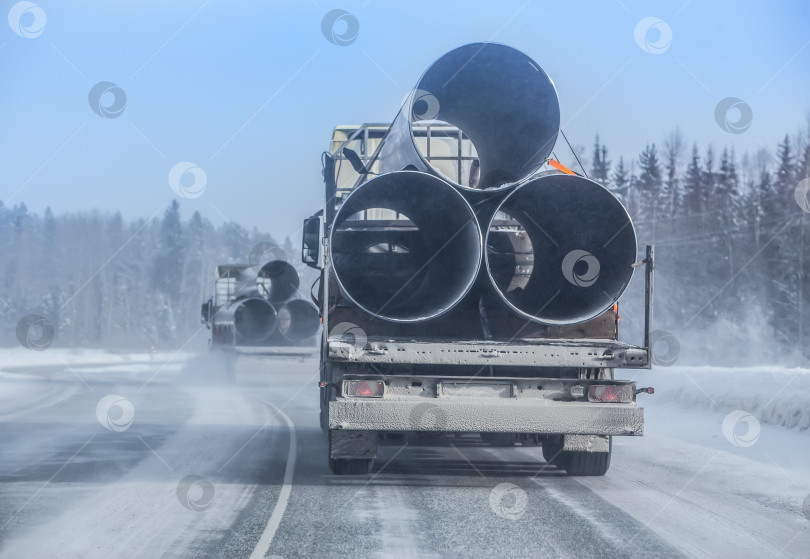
point(560, 249)
point(298, 320)
point(405, 246)
point(254, 319)
point(283, 280)
point(499, 97)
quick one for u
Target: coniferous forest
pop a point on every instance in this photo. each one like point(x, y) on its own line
point(731, 234)
point(105, 282)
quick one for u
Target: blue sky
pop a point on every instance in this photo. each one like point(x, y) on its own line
point(249, 91)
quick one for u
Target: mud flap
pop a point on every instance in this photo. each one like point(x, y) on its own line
point(352, 444)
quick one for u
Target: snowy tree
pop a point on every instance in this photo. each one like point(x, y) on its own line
point(621, 179)
point(693, 196)
point(648, 189)
point(670, 196)
point(600, 169)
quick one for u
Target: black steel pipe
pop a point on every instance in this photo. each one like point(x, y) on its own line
point(405, 246)
point(560, 249)
point(298, 320)
point(283, 278)
point(499, 97)
point(254, 319)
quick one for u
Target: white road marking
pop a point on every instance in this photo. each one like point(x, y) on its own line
point(263, 546)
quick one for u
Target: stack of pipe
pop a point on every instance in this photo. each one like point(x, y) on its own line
point(411, 243)
point(265, 310)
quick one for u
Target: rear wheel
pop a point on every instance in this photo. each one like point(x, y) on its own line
point(325, 393)
point(325, 409)
point(552, 449)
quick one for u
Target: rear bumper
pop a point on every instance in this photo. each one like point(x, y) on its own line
point(477, 416)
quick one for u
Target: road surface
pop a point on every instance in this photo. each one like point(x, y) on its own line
point(143, 457)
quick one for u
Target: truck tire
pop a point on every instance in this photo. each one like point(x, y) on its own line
point(325, 394)
point(552, 450)
point(350, 466)
point(325, 409)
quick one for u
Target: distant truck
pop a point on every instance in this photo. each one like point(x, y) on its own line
point(464, 291)
point(256, 311)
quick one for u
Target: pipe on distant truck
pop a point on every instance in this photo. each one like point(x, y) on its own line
point(254, 319)
point(298, 320)
point(283, 278)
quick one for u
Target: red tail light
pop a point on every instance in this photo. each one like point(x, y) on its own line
point(619, 393)
point(608, 395)
point(364, 388)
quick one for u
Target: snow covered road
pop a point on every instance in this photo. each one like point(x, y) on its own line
point(97, 460)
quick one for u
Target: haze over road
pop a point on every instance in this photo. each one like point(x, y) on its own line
point(81, 476)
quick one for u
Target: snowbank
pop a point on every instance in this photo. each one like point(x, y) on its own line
point(777, 396)
point(21, 359)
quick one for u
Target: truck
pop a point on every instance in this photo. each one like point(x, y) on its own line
point(460, 298)
point(256, 310)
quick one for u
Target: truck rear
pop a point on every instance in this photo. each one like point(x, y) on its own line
point(464, 292)
point(256, 310)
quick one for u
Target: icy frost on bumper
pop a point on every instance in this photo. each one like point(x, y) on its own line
point(505, 416)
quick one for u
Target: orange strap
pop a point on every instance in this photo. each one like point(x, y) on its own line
point(560, 167)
